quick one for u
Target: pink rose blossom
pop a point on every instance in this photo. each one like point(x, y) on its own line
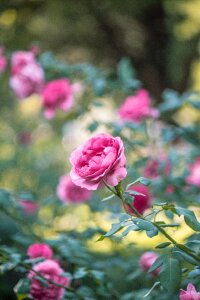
point(190, 293)
point(157, 166)
point(29, 207)
point(194, 173)
point(170, 189)
point(68, 192)
point(99, 159)
point(40, 250)
point(57, 94)
point(136, 108)
point(3, 60)
point(27, 76)
point(51, 271)
point(147, 260)
point(28, 81)
point(20, 59)
point(141, 202)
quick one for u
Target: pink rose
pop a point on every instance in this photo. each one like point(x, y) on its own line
point(40, 250)
point(190, 294)
point(3, 60)
point(29, 207)
point(27, 81)
point(169, 189)
point(20, 59)
point(157, 166)
point(141, 202)
point(136, 108)
point(99, 159)
point(57, 94)
point(68, 192)
point(194, 173)
point(52, 271)
point(147, 260)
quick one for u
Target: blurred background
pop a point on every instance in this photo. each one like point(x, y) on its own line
point(160, 36)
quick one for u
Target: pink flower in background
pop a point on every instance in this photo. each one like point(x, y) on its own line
point(157, 166)
point(99, 159)
point(27, 76)
point(190, 293)
point(68, 192)
point(29, 80)
point(57, 94)
point(3, 60)
point(194, 173)
point(52, 271)
point(141, 202)
point(136, 108)
point(29, 207)
point(170, 189)
point(40, 250)
point(147, 260)
point(20, 59)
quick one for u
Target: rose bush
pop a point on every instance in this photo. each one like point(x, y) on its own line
point(153, 240)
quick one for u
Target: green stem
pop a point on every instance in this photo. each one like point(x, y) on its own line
point(119, 193)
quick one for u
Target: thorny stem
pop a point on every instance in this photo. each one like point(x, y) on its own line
point(119, 192)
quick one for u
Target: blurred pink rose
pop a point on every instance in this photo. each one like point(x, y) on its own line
point(100, 158)
point(169, 189)
point(40, 250)
point(157, 166)
point(141, 203)
point(52, 271)
point(27, 76)
point(3, 60)
point(194, 173)
point(29, 207)
point(68, 192)
point(147, 260)
point(20, 59)
point(27, 81)
point(57, 94)
point(136, 108)
point(190, 293)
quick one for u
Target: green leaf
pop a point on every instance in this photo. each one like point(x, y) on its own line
point(128, 198)
point(101, 238)
point(80, 273)
point(189, 217)
point(22, 287)
point(163, 245)
point(144, 224)
point(187, 257)
point(153, 287)
point(115, 228)
point(128, 229)
point(93, 126)
point(108, 198)
point(7, 267)
point(170, 274)
point(159, 261)
point(150, 229)
point(142, 180)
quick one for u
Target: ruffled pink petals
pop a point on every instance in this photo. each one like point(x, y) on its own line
point(100, 158)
